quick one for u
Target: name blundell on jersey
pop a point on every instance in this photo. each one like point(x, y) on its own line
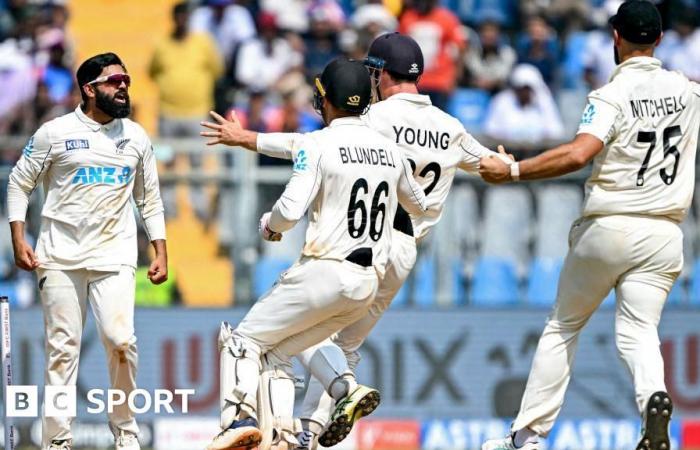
point(650, 107)
point(369, 156)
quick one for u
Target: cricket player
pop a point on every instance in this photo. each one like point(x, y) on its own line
point(349, 177)
point(436, 146)
point(91, 162)
point(641, 132)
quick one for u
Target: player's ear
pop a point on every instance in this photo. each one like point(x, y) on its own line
point(658, 40)
point(89, 90)
point(616, 38)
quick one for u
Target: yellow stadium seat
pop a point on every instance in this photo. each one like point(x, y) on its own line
point(206, 283)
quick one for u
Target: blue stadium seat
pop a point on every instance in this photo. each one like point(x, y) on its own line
point(9, 289)
point(401, 298)
point(495, 283)
point(470, 106)
point(609, 301)
point(543, 281)
point(457, 279)
point(678, 294)
point(424, 282)
point(694, 294)
point(267, 271)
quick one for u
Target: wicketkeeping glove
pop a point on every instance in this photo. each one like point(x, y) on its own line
point(265, 230)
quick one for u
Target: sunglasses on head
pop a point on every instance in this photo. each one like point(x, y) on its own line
point(114, 79)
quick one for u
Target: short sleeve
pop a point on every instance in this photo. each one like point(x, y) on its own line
point(598, 119)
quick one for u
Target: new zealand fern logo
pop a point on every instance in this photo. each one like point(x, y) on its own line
point(588, 114)
point(300, 160)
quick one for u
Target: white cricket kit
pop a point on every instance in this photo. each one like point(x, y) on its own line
point(350, 179)
point(436, 145)
point(628, 238)
point(90, 172)
point(87, 242)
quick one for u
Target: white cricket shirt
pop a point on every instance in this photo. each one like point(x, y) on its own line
point(350, 179)
point(434, 143)
point(90, 172)
point(648, 118)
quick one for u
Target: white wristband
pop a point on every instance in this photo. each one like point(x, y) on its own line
point(515, 171)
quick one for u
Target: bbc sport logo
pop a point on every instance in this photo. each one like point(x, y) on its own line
point(61, 401)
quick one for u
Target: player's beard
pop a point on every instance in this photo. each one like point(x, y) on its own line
point(113, 109)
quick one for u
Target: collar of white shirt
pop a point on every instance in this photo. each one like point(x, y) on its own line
point(349, 120)
point(643, 63)
point(93, 125)
point(415, 98)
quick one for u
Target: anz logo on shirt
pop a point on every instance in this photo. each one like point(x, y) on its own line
point(588, 114)
point(102, 175)
point(300, 161)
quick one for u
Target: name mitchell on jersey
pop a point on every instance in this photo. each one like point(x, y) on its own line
point(650, 107)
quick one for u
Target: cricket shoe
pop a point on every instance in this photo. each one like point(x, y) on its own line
point(655, 420)
point(308, 440)
point(506, 443)
point(63, 444)
point(125, 440)
point(349, 409)
point(240, 435)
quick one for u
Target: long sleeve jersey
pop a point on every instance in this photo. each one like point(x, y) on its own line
point(434, 143)
point(350, 179)
point(89, 172)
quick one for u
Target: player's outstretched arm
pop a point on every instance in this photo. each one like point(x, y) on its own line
point(231, 133)
point(558, 161)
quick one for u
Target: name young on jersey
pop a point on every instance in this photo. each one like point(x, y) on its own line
point(371, 156)
point(657, 107)
point(439, 140)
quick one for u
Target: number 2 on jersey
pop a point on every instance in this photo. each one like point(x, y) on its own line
point(433, 168)
point(649, 137)
point(376, 225)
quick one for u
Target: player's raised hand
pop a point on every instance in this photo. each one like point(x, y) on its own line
point(24, 255)
point(158, 270)
point(496, 168)
point(227, 132)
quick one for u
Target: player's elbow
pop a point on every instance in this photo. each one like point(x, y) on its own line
point(577, 161)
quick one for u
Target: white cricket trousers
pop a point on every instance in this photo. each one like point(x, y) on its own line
point(312, 300)
point(318, 404)
point(64, 297)
point(640, 257)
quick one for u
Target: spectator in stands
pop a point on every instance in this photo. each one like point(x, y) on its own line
point(185, 66)
point(292, 14)
point(57, 76)
point(228, 23)
point(327, 19)
point(18, 87)
point(598, 60)
point(489, 61)
point(680, 47)
point(526, 111)
point(538, 46)
point(439, 34)
point(264, 60)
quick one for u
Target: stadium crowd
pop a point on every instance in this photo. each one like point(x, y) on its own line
point(512, 70)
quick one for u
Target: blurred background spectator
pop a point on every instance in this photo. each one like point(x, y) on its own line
point(490, 59)
point(538, 46)
point(441, 38)
point(526, 111)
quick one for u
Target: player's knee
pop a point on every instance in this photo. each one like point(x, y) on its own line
point(237, 344)
point(120, 341)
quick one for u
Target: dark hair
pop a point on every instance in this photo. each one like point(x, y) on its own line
point(398, 78)
point(181, 8)
point(91, 68)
